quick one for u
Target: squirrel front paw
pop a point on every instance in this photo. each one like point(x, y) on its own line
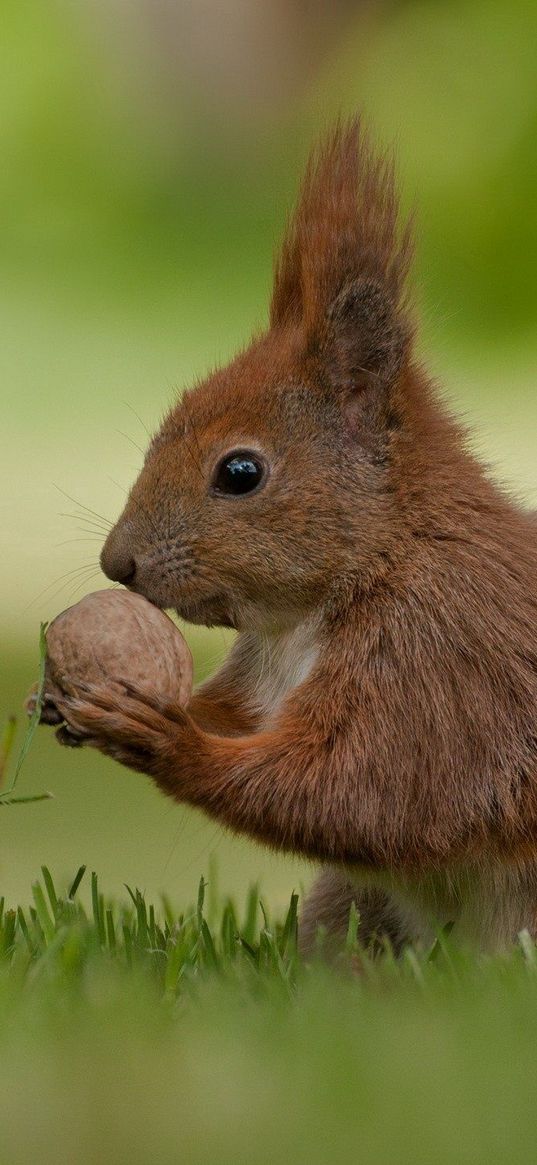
point(132, 726)
point(51, 715)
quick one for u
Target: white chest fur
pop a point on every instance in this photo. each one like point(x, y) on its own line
point(280, 662)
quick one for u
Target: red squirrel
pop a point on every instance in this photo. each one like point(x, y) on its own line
point(378, 710)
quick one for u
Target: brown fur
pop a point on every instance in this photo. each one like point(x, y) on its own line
point(379, 570)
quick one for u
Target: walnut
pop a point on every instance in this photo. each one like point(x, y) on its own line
point(113, 635)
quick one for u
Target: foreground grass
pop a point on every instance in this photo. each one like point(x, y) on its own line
point(128, 1034)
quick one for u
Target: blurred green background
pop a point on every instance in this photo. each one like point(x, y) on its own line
point(150, 154)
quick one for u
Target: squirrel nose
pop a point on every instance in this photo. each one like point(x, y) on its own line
point(125, 573)
point(117, 562)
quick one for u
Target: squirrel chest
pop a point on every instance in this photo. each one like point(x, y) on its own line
point(279, 662)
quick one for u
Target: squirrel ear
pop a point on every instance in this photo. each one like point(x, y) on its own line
point(365, 339)
point(343, 263)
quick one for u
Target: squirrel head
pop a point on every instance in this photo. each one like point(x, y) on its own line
point(270, 487)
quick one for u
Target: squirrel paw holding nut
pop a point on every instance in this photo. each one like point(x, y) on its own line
point(108, 646)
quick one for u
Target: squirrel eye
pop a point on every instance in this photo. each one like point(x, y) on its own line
point(238, 473)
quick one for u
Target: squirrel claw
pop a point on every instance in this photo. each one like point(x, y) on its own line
point(69, 737)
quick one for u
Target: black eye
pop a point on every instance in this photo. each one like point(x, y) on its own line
point(239, 473)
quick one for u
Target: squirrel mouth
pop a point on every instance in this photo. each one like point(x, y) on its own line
point(212, 611)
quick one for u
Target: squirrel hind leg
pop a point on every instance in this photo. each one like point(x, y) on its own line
point(324, 919)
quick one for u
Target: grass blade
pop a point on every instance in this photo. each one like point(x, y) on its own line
point(46, 922)
point(36, 714)
point(51, 891)
point(76, 881)
point(97, 909)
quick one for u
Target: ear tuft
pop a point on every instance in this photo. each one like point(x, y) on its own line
point(344, 232)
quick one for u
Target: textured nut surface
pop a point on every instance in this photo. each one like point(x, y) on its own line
point(113, 635)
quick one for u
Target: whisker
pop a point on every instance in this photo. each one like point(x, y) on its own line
point(147, 514)
point(191, 455)
point(177, 836)
point(127, 438)
point(194, 434)
point(88, 510)
point(213, 840)
point(64, 580)
point(91, 523)
point(93, 531)
point(138, 417)
point(81, 584)
point(87, 538)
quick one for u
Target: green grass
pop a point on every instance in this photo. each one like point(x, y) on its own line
point(130, 1033)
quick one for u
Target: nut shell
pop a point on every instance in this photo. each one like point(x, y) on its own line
point(113, 635)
